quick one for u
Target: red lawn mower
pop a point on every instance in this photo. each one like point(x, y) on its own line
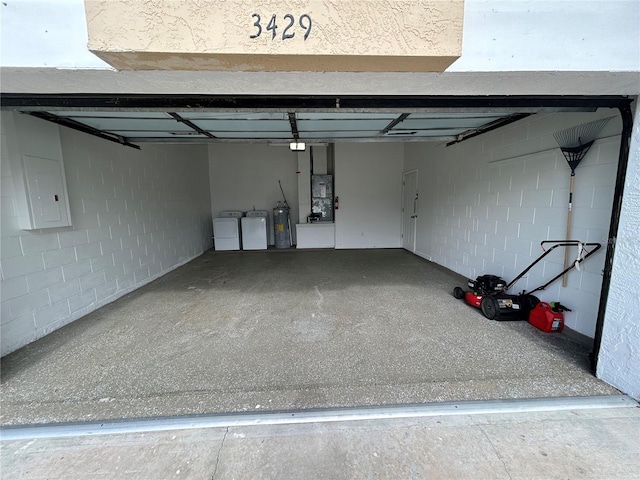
point(489, 292)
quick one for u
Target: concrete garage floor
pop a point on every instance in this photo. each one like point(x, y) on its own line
point(280, 330)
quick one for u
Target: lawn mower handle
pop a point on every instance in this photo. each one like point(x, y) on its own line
point(558, 243)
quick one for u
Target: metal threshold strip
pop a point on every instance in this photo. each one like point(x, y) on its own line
point(111, 427)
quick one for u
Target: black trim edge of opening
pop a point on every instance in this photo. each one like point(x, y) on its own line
point(623, 160)
point(256, 102)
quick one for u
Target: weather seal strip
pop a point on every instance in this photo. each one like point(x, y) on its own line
point(501, 122)
point(67, 122)
point(626, 115)
point(290, 103)
point(328, 415)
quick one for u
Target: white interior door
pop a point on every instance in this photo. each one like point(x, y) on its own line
point(409, 209)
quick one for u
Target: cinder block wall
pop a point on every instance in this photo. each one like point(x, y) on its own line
point(486, 204)
point(136, 215)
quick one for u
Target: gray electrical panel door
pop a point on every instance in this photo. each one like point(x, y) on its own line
point(47, 192)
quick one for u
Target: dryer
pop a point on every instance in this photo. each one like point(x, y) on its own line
point(255, 231)
point(226, 230)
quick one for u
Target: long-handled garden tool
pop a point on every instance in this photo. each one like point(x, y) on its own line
point(575, 142)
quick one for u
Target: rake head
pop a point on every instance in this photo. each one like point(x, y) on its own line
point(576, 141)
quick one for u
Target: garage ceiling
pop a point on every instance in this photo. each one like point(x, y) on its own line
point(268, 127)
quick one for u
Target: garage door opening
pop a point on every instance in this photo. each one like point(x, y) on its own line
point(365, 323)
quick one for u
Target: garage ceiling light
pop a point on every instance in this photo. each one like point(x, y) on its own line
point(297, 146)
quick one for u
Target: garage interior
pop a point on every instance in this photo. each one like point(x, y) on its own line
point(266, 331)
point(147, 320)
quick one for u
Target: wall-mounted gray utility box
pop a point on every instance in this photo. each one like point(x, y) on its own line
point(46, 192)
point(37, 170)
point(322, 197)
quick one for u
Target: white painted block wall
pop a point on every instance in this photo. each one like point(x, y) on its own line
point(368, 182)
point(488, 202)
point(136, 216)
point(619, 359)
point(244, 176)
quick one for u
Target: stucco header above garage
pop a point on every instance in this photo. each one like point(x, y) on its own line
point(281, 35)
point(277, 35)
point(511, 47)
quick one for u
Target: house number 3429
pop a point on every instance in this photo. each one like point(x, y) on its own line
point(289, 31)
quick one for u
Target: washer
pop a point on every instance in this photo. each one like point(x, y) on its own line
point(226, 230)
point(255, 232)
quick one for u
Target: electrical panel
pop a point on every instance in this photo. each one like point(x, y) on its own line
point(46, 192)
point(322, 197)
point(34, 152)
